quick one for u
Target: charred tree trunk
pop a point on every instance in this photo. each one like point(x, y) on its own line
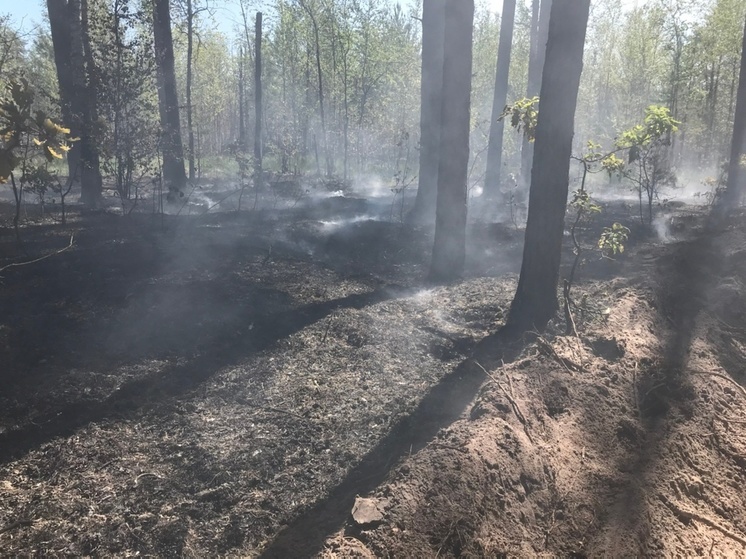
point(449, 249)
point(60, 16)
point(535, 68)
point(174, 176)
point(535, 300)
point(90, 170)
point(258, 104)
point(736, 175)
point(497, 125)
point(431, 92)
point(78, 98)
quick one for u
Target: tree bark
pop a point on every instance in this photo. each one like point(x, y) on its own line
point(497, 125)
point(736, 176)
point(449, 249)
point(320, 75)
point(535, 68)
point(241, 103)
point(59, 20)
point(90, 172)
point(431, 91)
point(258, 180)
point(174, 176)
point(190, 54)
point(78, 94)
point(535, 300)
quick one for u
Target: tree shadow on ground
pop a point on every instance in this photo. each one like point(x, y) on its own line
point(443, 404)
point(684, 278)
point(268, 328)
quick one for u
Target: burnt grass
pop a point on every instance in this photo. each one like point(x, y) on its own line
point(227, 384)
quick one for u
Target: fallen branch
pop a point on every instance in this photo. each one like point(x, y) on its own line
point(687, 515)
point(17, 264)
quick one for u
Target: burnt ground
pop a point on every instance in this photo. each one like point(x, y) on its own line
point(228, 384)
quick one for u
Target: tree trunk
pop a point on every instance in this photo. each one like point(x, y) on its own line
point(174, 177)
point(535, 68)
point(535, 300)
point(322, 112)
point(431, 91)
point(258, 104)
point(449, 249)
point(90, 172)
point(190, 55)
point(736, 176)
point(78, 94)
point(497, 125)
point(241, 104)
point(59, 19)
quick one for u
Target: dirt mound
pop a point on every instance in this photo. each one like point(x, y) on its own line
point(627, 441)
point(232, 385)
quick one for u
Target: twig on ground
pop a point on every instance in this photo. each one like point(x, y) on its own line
point(569, 366)
point(722, 376)
point(688, 515)
point(34, 261)
point(279, 410)
point(326, 332)
point(17, 524)
point(729, 326)
point(109, 463)
point(634, 390)
point(144, 475)
point(449, 446)
point(511, 398)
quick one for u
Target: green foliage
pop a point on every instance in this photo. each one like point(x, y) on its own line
point(23, 134)
point(128, 134)
point(648, 159)
point(613, 238)
point(524, 115)
point(657, 126)
point(38, 179)
point(12, 59)
point(583, 202)
point(612, 163)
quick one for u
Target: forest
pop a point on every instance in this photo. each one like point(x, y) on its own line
point(373, 278)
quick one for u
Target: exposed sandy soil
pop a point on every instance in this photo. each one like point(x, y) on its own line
point(227, 385)
point(628, 441)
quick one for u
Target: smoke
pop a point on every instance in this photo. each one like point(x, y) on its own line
point(371, 186)
point(662, 225)
point(337, 224)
